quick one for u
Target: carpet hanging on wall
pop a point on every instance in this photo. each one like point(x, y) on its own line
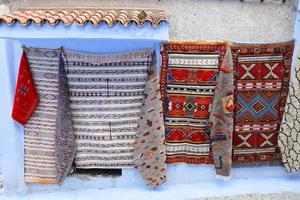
point(289, 134)
point(189, 75)
point(48, 157)
point(149, 148)
point(221, 117)
point(106, 96)
point(262, 74)
point(26, 97)
point(64, 134)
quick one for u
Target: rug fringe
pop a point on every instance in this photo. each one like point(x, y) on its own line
point(257, 164)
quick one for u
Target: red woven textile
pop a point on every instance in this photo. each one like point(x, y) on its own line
point(262, 74)
point(26, 97)
point(189, 75)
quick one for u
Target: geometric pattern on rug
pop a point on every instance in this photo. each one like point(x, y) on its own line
point(221, 118)
point(39, 132)
point(261, 85)
point(188, 79)
point(106, 96)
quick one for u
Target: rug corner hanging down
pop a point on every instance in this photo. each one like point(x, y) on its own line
point(150, 151)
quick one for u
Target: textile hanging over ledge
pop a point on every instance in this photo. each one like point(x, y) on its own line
point(106, 96)
point(26, 97)
point(261, 85)
point(189, 74)
point(221, 117)
point(149, 148)
point(64, 135)
point(289, 135)
point(41, 155)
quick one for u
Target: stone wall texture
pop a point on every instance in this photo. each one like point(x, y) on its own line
point(202, 20)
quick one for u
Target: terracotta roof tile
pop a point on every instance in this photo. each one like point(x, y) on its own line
point(82, 17)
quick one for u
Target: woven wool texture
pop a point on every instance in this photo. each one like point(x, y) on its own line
point(40, 165)
point(149, 148)
point(262, 74)
point(189, 74)
point(289, 135)
point(26, 98)
point(64, 135)
point(221, 117)
point(106, 95)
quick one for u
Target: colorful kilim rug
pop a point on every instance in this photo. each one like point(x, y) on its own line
point(188, 79)
point(40, 165)
point(106, 94)
point(289, 135)
point(149, 148)
point(261, 80)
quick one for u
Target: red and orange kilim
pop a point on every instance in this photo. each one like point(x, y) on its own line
point(189, 74)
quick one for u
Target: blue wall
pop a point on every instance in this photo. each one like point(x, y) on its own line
point(102, 39)
point(94, 40)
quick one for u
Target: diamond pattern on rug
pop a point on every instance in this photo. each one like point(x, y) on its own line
point(262, 79)
point(188, 80)
point(259, 106)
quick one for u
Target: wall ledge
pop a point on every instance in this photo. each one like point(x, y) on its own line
point(32, 31)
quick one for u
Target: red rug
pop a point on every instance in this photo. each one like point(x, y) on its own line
point(26, 97)
point(261, 85)
point(188, 79)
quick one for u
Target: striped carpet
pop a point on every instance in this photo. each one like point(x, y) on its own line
point(106, 94)
point(39, 133)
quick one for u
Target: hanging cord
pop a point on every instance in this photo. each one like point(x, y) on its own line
point(110, 132)
point(24, 48)
point(107, 94)
point(66, 58)
point(148, 66)
point(107, 87)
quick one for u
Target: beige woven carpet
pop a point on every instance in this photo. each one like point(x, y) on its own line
point(106, 94)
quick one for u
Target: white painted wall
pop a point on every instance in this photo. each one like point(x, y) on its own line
point(296, 37)
point(199, 20)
